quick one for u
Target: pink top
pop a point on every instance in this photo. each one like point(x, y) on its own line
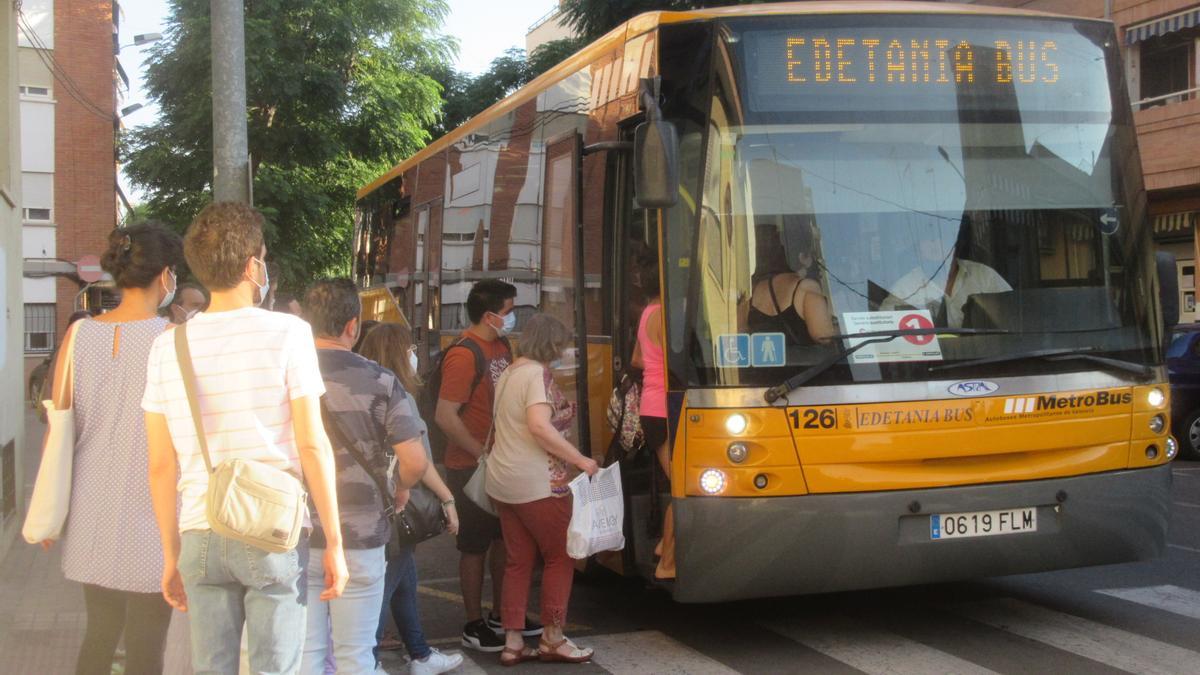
point(654, 375)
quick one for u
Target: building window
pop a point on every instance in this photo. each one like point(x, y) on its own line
point(1168, 68)
point(35, 91)
point(39, 327)
point(38, 215)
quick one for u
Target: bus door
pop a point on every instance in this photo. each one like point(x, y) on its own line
point(635, 253)
point(573, 286)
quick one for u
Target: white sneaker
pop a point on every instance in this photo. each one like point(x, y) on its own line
point(435, 663)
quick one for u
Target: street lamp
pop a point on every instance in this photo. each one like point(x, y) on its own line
point(142, 39)
point(127, 110)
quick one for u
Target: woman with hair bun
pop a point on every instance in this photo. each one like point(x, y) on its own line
point(110, 542)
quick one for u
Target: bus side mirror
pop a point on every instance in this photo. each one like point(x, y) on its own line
point(1168, 288)
point(656, 153)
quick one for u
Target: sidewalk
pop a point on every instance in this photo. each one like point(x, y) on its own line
point(42, 619)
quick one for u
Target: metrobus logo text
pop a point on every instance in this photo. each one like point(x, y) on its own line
point(1028, 404)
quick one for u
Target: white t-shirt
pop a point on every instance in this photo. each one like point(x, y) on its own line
point(916, 290)
point(250, 364)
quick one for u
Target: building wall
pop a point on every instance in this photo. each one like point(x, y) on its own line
point(85, 156)
point(548, 29)
point(68, 157)
point(12, 411)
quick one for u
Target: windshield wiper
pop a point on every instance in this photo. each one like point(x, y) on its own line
point(1078, 354)
point(869, 338)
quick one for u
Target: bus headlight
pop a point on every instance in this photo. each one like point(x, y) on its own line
point(712, 481)
point(1172, 448)
point(736, 424)
point(737, 453)
point(1156, 397)
point(1157, 424)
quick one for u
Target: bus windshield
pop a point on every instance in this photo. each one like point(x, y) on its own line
point(876, 173)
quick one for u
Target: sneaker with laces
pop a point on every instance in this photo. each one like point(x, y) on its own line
point(479, 636)
point(435, 663)
point(532, 628)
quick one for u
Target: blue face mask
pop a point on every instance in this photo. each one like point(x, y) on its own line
point(510, 322)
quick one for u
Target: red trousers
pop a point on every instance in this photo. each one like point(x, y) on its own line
point(530, 530)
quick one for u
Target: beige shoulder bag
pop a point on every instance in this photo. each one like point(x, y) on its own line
point(247, 500)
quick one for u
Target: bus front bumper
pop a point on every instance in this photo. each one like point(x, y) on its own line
point(736, 548)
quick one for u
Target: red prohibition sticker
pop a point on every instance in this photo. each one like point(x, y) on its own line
point(916, 322)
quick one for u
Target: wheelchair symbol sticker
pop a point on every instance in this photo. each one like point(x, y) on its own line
point(733, 351)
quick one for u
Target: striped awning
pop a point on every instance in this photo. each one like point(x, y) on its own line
point(1175, 223)
point(1188, 18)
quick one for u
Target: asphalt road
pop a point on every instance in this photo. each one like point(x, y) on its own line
point(1139, 617)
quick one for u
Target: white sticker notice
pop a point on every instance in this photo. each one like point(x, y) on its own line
point(903, 348)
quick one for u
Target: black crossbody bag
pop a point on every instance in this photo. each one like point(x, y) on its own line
point(422, 518)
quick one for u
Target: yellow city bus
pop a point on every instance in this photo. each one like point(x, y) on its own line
point(913, 324)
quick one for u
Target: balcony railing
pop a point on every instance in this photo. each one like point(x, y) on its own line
point(1167, 99)
point(545, 17)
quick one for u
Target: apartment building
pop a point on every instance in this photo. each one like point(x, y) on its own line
point(12, 415)
point(70, 86)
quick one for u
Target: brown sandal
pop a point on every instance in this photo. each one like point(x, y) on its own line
point(548, 653)
point(517, 656)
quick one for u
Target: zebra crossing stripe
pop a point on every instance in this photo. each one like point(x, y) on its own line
point(873, 651)
point(650, 652)
point(1181, 601)
point(1096, 641)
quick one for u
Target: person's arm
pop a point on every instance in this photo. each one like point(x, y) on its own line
point(458, 374)
point(320, 473)
point(636, 360)
point(411, 466)
point(164, 480)
point(433, 480)
point(447, 418)
point(537, 418)
point(814, 309)
point(655, 328)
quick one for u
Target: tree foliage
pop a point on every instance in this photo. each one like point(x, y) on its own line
point(466, 95)
point(337, 92)
point(592, 18)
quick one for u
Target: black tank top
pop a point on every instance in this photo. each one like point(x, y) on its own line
point(786, 320)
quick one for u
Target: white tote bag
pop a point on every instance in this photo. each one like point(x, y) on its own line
point(52, 490)
point(597, 515)
point(476, 487)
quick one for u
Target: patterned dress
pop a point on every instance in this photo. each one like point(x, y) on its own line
point(111, 538)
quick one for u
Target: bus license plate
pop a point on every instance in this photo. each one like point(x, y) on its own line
point(982, 523)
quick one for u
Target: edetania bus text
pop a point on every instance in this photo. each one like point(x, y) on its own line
point(824, 60)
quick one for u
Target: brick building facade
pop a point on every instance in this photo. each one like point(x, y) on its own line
point(71, 86)
point(1160, 43)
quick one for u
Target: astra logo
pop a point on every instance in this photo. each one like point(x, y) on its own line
point(973, 388)
point(1028, 404)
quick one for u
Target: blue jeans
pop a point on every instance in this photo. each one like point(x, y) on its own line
point(400, 596)
point(229, 583)
point(350, 620)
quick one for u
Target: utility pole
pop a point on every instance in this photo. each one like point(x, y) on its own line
point(231, 162)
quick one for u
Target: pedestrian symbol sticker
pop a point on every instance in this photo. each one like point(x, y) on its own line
point(767, 350)
point(733, 351)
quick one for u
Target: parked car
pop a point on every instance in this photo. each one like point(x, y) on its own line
point(1183, 367)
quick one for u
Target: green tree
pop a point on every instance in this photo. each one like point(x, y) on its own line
point(592, 18)
point(466, 95)
point(337, 92)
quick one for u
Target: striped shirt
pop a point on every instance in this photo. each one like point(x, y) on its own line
point(250, 364)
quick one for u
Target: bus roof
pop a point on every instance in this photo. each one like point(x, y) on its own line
point(647, 22)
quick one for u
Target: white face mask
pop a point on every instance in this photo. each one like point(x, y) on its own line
point(413, 361)
point(170, 293)
point(264, 288)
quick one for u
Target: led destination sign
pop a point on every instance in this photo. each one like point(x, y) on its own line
point(840, 59)
point(923, 68)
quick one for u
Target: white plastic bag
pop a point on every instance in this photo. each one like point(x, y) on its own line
point(597, 515)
